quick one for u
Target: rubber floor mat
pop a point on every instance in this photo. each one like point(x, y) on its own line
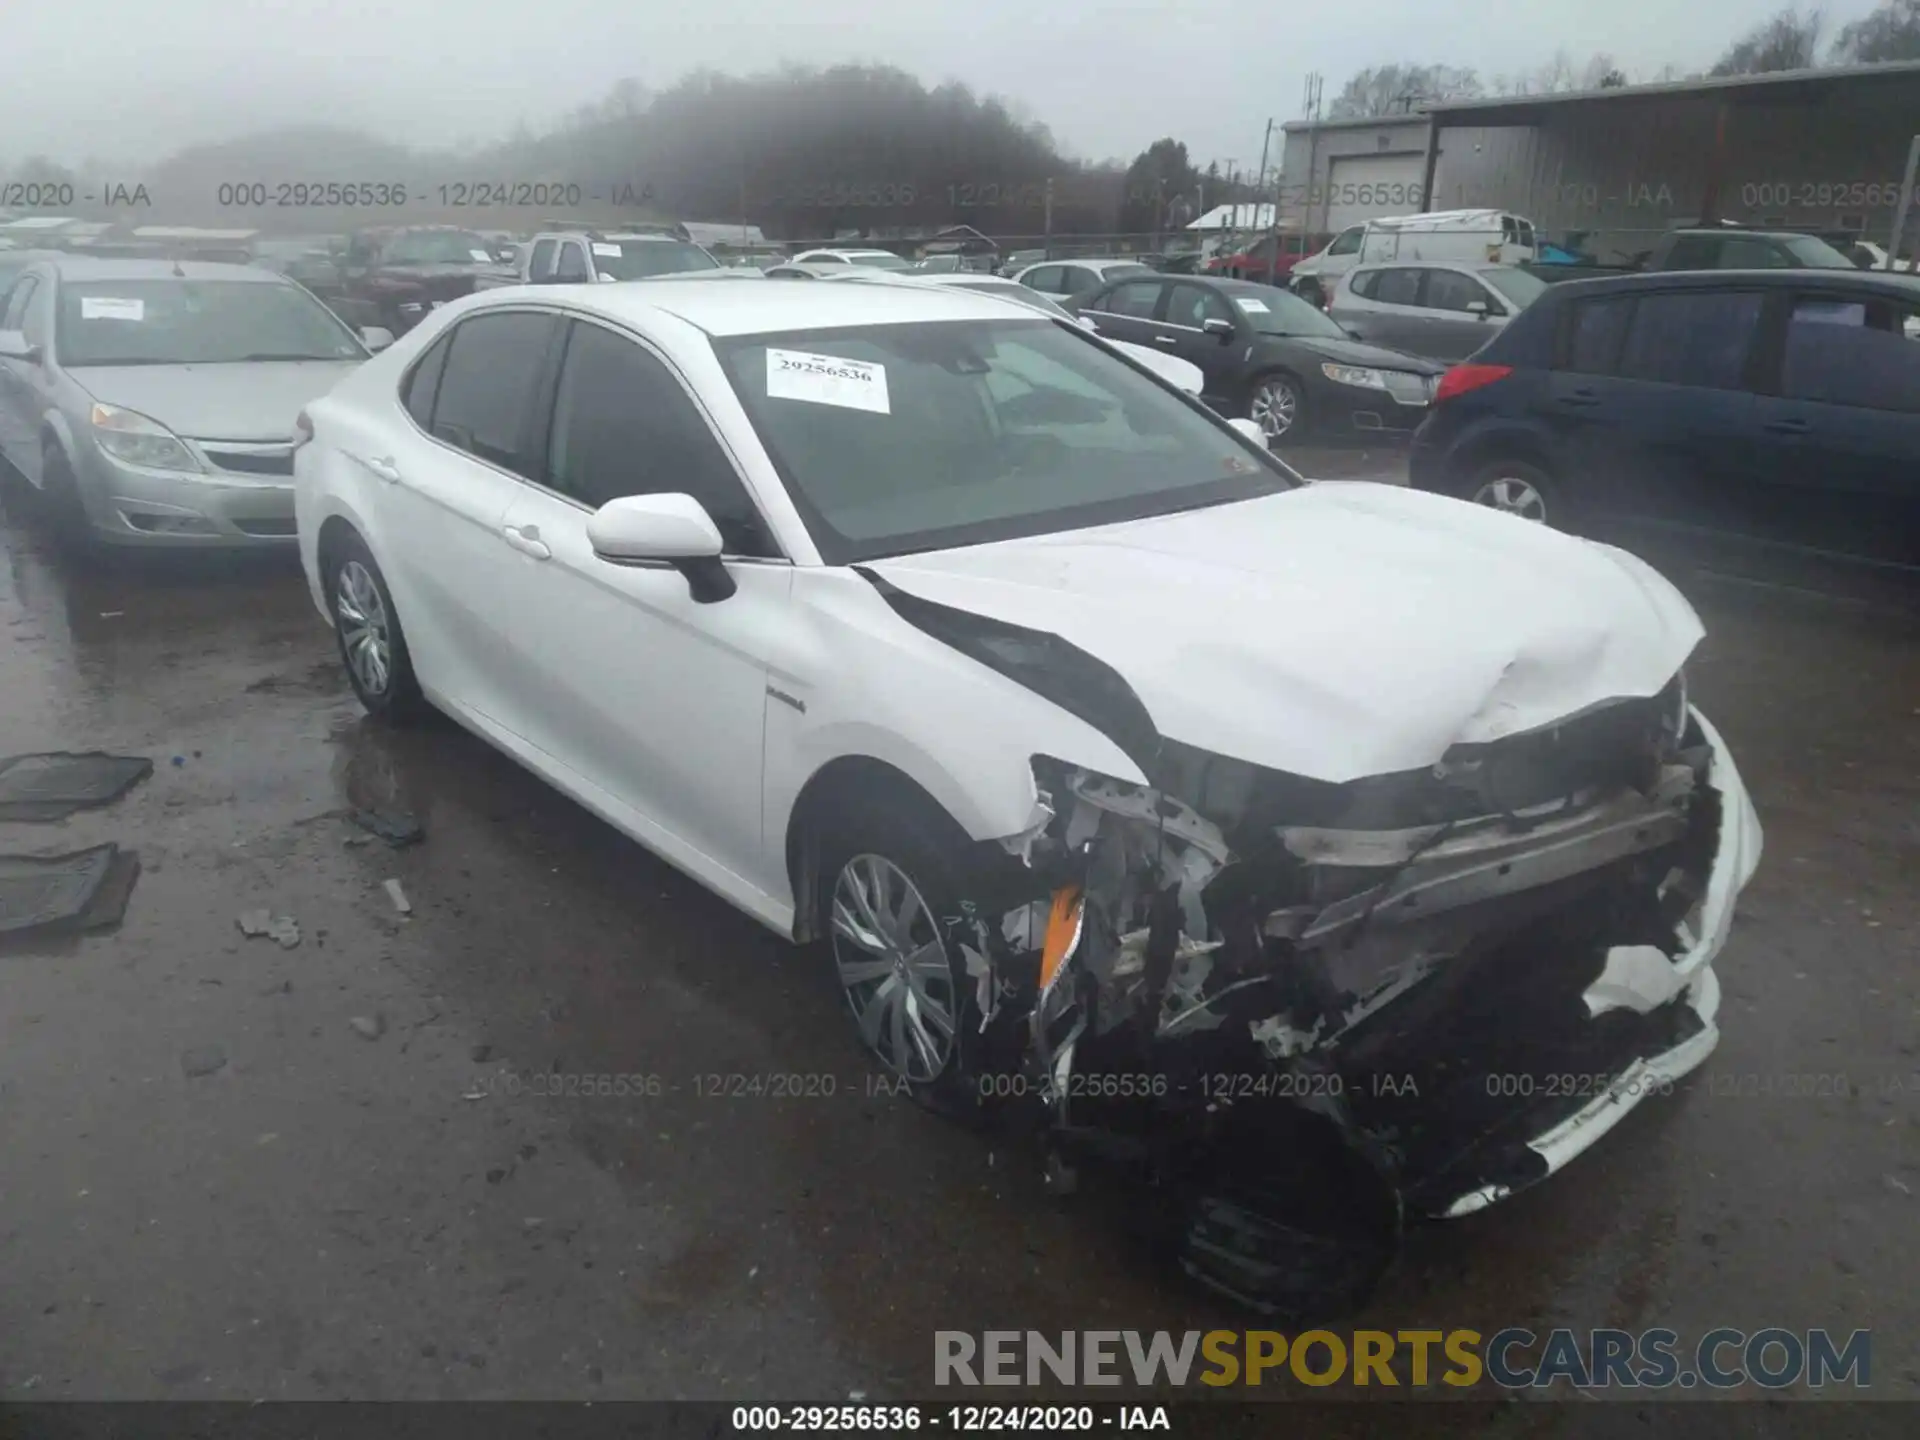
point(63, 894)
point(53, 786)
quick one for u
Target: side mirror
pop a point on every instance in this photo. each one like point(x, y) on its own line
point(675, 531)
point(1223, 329)
point(1477, 307)
point(15, 346)
point(375, 337)
point(1251, 429)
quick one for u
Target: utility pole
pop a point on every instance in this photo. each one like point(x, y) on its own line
point(1311, 108)
point(1259, 189)
point(1046, 221)
point(1906, 204)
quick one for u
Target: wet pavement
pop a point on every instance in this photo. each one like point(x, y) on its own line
point(233, 1169)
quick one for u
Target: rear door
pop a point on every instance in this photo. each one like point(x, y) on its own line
point(1391, 315)
point(1653, 405)
point(1131, 310)
point(446, 482)
point(1840, 425)
point(1047, 279)
point(21, 387)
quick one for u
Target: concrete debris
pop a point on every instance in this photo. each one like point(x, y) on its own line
point(397, 827)
point(398, 896)
point(282, 929)
point(369, 1027)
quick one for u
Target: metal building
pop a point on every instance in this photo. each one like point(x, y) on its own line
point(1821, 149)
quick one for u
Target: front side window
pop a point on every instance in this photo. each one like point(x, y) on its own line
point(623, 425)
point(1450, 290)
point(487, 388)
point(1863, 353)
point(1048, 279)
point(1692, 338)
point(545, 253)
point(1347, 242)
point(1520, 286)
point(1194, 305)
point(196, 322)
point(904, 437)
point(19, 302)
point(1743, 254)
point(570, 267)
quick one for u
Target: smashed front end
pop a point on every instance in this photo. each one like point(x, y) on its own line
point(1313, 1009)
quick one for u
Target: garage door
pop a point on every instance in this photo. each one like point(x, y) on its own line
point(1368, 187)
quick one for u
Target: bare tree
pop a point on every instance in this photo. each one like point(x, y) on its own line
point(1890, 33)
point(1788, 41)
point(1560, 74)
point(1402, 89)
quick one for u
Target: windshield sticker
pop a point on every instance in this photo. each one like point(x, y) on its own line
point(106, 307)
point(482, 256)
point(1251, 305)
point(827, 380)
point(612, 252)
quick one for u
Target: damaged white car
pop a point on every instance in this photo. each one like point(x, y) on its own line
point(1324, 854)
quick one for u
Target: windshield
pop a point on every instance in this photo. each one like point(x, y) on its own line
point(1815, 253)
point(639, 259)
point(1518, 286)
point(1273, 311)
point(195, 322)
point(439, 247)
point(896, 438)
point(1019, 294)
point(878, 260)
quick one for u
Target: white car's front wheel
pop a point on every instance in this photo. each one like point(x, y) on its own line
point(367, 626)
point(889, 884)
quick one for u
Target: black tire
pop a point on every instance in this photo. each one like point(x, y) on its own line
point(60, 501)
point(1530, 491)
point(932, 853)
point(1275, 380)
point(399, 697)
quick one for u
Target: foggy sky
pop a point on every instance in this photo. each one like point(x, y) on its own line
point(130, 81)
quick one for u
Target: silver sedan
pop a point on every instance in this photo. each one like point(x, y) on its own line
point(153, 403)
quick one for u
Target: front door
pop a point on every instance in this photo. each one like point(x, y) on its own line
point(23, 382)
point(651, 698)
point(1218, 356)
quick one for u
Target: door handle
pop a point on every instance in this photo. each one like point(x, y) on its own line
point(1786, 427)
point(1580, 397)
point(527, 541)
point(1165, 340)
point(383, 466)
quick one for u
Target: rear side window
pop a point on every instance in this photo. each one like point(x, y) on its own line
point(487, 387)
point(1692, 338)
point(18, 302)
point(1397, 287)
point(1046, 278)
point(1737, 253)
point(423, 382)
point(1694, 252)
point(1859, 353)
point(624, 425)
point(1596, 329)
point(1135, 299)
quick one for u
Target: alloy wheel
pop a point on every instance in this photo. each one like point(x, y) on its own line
point(1513, 495)
point(893, 967)
point(1275, 407)
point(364, 633)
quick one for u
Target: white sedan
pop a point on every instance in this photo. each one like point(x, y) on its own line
point(1260, 834)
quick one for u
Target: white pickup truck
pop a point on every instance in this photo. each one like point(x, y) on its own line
point(592, 257)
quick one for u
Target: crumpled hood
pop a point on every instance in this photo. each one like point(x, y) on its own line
point(1335, 631)
point(248, 401)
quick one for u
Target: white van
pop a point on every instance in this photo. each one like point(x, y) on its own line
point(1484, 236)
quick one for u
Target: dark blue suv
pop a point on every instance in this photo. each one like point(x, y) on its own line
point(1758, 413)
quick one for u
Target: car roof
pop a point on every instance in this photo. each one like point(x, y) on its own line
point(1900, 285)
point(89, 267)
point(724, 310)
point(845, 250)
point(1480, 267)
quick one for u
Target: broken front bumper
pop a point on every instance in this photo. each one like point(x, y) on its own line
point(1461, 1000)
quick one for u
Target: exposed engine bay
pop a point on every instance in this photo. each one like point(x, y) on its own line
point(1315, 1009)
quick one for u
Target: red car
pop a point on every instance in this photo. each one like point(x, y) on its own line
point(1253, 262)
